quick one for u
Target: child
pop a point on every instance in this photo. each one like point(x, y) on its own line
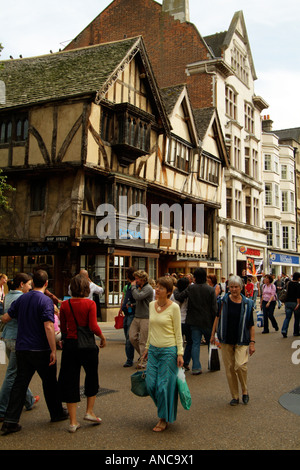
point(249, 288)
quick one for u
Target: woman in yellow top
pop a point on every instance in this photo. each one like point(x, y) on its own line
point(164, 350)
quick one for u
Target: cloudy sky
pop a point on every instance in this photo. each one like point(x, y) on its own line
point(34, 27)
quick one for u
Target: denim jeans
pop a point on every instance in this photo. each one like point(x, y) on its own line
point(289, 310)
point(11, 373)
point(197, 334)
point(254, 298)
point(186, 331)
point(129, 349)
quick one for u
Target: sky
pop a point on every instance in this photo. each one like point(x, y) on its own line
point(34, 27)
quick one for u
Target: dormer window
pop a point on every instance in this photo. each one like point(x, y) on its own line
point(178, 154)
point(209, 168)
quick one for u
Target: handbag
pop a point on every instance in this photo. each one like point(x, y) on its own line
point(85, 337)
point(138, 383)
point(282, 295)
point(213, 358)
point(119, 321)
point(183, 390)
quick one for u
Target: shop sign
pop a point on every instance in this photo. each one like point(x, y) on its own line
point(58, 239)
point(249, 251)
point(129, 234)
point(284, 259)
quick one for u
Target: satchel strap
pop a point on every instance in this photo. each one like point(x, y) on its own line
point(72, 311)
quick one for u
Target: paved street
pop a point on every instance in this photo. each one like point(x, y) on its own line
point(210, 424)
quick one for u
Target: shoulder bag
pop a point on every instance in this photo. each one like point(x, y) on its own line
point(282, 294)
point(86, 338)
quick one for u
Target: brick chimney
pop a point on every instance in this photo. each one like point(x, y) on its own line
point(267, 124)
point(178, 8)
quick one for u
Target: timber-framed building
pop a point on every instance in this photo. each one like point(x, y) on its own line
point(89, 127)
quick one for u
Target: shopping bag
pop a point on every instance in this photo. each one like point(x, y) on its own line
point(183, 390)
point(260, 319)
point(213, 358)
point(119, 321)
point(138, 384)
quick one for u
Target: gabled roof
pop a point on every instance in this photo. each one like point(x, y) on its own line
point(207, 118)
point(176, 96)
point(61, 75)
point(68, 74)
point(219, 42)
point(170, 96)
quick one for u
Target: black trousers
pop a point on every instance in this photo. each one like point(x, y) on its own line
point(269, 314)
point(72, 360)
point(29, 362)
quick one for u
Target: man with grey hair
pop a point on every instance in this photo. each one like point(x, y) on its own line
point(142, 292)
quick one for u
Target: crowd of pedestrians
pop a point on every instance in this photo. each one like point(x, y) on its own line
point(165, 323)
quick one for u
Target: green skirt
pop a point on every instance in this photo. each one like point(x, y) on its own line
point(161, 381)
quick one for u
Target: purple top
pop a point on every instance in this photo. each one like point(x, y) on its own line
point(32, 310)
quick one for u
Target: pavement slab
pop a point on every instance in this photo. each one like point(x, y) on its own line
point(211, 424)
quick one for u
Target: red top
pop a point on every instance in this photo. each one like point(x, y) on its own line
point(249, 289)
point(85, 312)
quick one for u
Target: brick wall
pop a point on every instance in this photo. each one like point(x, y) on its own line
point(171, 45)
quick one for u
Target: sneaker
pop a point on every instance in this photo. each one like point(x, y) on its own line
point(36, 399)
point(73, 427)
point(196, 372)
point(128, 364)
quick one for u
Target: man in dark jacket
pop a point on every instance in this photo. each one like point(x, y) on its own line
point(128, 308)
point(201, 312)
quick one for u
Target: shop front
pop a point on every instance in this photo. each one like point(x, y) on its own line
point(51, 255)
point(249, 260)
point(283, 263)
point(107, 267)
point(187, 265)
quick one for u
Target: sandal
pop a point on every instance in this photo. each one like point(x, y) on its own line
point(92, 418)
point(160, 428)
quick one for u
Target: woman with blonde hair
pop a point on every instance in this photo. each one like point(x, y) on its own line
point(256, 290)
